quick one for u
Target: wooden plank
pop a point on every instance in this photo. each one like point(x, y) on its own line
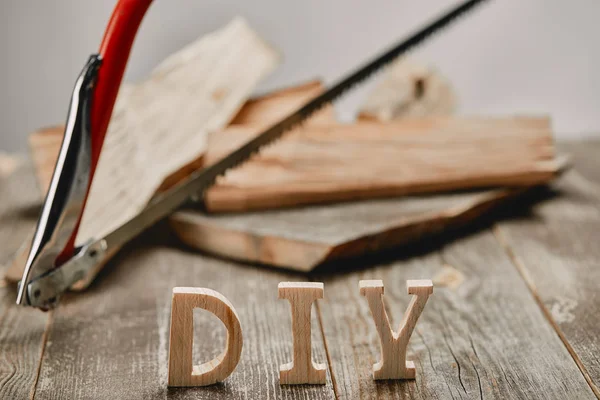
point(323, 164)
point(304, 238)
point(162, 123)
point(111, 342)
point(263, 111)
point(481, 334)
point(555, 249)
point(21, 329)
point(271, 107)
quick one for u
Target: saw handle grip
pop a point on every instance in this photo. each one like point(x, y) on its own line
point(114, 51)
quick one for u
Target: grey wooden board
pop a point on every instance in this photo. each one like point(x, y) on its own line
point(556, 247)
point(334, 224)
point(112, 341)
point(487, 338)
point(302, 239)
point(21, 330)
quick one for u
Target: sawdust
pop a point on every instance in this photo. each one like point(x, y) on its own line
point(448, 277)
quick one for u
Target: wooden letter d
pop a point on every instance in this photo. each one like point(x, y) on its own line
point(181, 371)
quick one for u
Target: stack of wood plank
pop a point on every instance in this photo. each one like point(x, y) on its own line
point(331, 191)
point(325, 191)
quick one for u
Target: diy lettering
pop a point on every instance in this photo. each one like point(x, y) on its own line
point(302, 369)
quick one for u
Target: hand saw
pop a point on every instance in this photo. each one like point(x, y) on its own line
point(54, 263)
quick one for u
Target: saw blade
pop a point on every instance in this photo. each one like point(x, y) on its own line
point(197, 183)
point(194, 186)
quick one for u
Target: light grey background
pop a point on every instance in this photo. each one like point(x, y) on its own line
point(508, 57)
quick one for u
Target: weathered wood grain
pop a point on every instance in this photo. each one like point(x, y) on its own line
point(365, 160)
point(556, 250)
point(480, 331)
point(112, 341)
point(21, 329)
point(484, 337)
point(303, 238)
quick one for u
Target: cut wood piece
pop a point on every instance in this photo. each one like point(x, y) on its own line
point(263, 111)
point(319, 164)
point(181, 370)
point(271, 107)
point(302, 369)
point(392, 363)
point(161, 125)
point(301, 239)
point(409, 89)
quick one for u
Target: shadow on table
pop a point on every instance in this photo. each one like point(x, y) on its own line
point(162, 236)
point(516, 209)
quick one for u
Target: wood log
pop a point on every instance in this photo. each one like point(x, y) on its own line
point(330, 163)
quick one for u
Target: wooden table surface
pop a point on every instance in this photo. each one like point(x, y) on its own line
point(515, 312)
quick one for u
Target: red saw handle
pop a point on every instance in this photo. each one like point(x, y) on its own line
point(114, 51)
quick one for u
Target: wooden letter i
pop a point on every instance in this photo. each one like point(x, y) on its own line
point(301, 296)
